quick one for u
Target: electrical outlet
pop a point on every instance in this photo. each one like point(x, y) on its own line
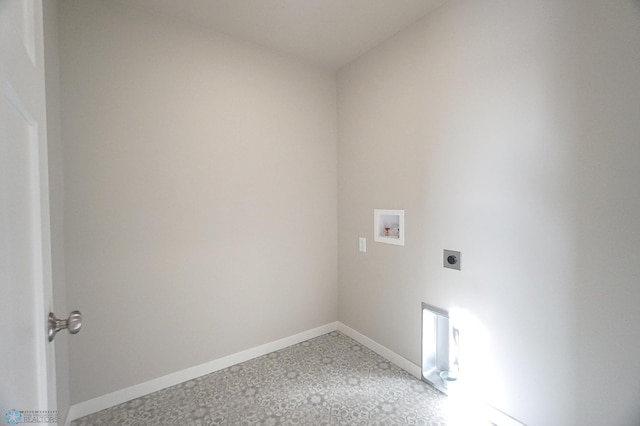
point(451, 259)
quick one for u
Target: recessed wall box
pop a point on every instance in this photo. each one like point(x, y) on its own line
point(440, 364)
point(388, 226)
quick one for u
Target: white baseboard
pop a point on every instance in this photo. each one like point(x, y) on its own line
point(94, 405)
point(388, 354)
point(499, 418)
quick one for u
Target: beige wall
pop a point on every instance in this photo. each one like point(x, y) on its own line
point(200, 194)
point(509, 131)
point(606, 144)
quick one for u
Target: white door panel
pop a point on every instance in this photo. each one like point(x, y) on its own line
point(27, 373)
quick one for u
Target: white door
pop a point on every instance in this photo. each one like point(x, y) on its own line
point(27, 373)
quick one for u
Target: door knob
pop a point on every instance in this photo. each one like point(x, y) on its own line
point(73, 324)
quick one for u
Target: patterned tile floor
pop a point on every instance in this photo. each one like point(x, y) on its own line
point(329, 380)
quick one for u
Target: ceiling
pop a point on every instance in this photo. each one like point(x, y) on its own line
point(328, 33)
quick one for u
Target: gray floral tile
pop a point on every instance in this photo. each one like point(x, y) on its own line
point(329, 380)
